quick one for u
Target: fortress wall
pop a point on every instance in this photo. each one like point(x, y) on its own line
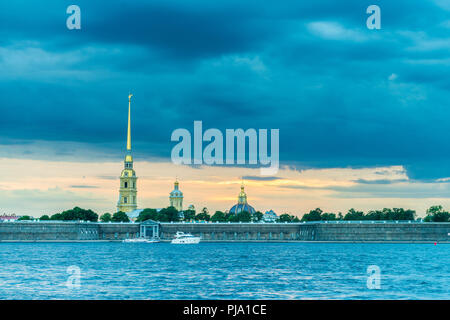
point(354, 232)
point(383, 232)
point(118, 231)
point(232, 231)
point(60, 231)
point(32, 231)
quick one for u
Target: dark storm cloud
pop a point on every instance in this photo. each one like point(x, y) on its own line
point(380, 181)
point(341, 95)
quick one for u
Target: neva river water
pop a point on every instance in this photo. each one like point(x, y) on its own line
point(223, 271)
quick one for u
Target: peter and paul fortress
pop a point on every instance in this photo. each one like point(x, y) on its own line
point(128, 189)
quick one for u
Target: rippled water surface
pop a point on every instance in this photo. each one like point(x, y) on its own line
point(223, 271)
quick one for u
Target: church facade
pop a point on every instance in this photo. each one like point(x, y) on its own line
point(128, 189)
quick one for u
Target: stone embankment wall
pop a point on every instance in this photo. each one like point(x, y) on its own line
point(353, 232)
point(66, 231)
point(240, 231)
point(333, 232)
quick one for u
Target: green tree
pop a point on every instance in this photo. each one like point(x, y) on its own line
point(148, 214)
point(437, 214)
point(120, 216)
point(168, 214)
point(56, 216)
point(244, 216)
point(409, 215)
point(189, 215)
point(218, 216)
point(79, 214)
point(402, 214)
point(352, 214)
point(44, 217)
point(106, 217)
point(203, 216)
point(25, 218)
point(388, 214)
point(328, 216)
point(162, 216)
point(313, 215)
point(285, 217)
point(231, 217)
point(257, 216)
point(375, 215)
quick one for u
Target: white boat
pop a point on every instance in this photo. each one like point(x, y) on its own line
point(140, 240)
point(185, 238)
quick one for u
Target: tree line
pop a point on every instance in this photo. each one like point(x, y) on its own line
point(78, 213)
point(352, 214)
point(433, 214)
point(170, 214)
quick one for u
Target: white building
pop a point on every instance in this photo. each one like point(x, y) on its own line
point(270, 216)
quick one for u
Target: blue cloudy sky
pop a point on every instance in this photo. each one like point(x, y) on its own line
point(344, 97)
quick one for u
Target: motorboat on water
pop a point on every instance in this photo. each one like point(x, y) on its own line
point(141, 240)
point(185, 238)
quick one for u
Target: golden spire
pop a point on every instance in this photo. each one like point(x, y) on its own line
point(242, 198)
point(129, 123)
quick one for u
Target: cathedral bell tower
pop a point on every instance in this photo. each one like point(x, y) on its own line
point(176, 197)
point(128, 191)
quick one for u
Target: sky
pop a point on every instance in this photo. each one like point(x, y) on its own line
point(363, 114)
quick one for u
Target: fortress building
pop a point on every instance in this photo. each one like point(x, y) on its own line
point(128, 191)
point(176, 197)
point(242, 204)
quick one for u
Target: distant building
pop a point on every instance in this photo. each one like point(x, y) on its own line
point(176, 197)
point(128, 192)
point(270, 216)
point(242, 204)
point(9, 217)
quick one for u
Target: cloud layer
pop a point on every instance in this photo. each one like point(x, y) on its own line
point(341, 95)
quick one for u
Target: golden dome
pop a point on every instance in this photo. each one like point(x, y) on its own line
point(242, 198)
